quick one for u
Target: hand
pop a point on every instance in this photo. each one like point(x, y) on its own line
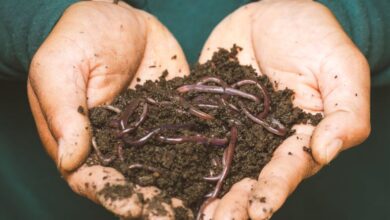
point(95, 51)
point(299, 45)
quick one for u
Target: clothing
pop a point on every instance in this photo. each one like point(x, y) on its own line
point(25, 24)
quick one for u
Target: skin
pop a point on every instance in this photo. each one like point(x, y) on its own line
point(95, 51)
point(300, 45)
point(98, 49)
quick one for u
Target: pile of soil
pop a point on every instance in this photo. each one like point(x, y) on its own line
point(178, 169)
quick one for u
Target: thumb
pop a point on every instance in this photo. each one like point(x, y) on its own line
point(60, 89)
point(345, 88)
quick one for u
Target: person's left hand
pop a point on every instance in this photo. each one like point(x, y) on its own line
point(299, 45)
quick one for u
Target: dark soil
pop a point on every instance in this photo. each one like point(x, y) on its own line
point(178, 169)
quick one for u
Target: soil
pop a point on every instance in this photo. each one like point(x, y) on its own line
point(178, 169)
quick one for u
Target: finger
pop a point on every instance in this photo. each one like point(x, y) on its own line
point(234, 205)
point(93, 182)
point(209, 210)
point(234, 29)
point(157, 209)
point(289, 165)
point(43, 130)
point(344, 84)
point(162, 53)
point(177, 204)
point(61, 70)
point(63, 103)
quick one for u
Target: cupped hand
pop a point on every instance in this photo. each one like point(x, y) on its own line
point(95, 51)
point(299, 45)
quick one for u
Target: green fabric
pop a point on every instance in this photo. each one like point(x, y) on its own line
point(368, 24)
point(23, 27)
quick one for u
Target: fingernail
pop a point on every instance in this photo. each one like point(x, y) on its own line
point(333, 149)
point(59, 154)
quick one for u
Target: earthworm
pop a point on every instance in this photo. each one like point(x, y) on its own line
point(228, 158)
point(136, 124)
point(217, 90)
point(200, 114)
point(119, 148)
point(129, 110)
point(212, 178)
point(104, 160)
point(208, 106)
point(145, 167)
point(280, 129)
point(143, 139)
point(112, 108)
point(195, 139)
point(266, 98)
point(155, 131)
point(212, 79)
point(227, 161)
point(193, 110)
point(154, 102)
point(223, 84)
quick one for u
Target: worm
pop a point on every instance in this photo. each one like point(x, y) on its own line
point(145, 167)
point(129, 110)
point(279, 128)
point(217, 90)
point(193, 110)
point(266, 98)
point(112, 108)
point(136, 124)
point(104, 160)
point(195, 139)
point(227, 159)
point(144, 139)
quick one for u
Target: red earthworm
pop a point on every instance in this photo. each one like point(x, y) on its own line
point(143, 139)
point(212, 79)
point(195, 139)
point(228, 158)
point(200, 114)
point(217, 90)
point(145, 167)
point(119, 148)
point(136, 124)
point(192, 110)
point(154, 102)
point(104, 160)
point(212, 178)
point(114, 123)
point(266, 98)
point(129, 110)
point(155, 131)
point(112, 108)
point(223, 84)
point(208, 106)
point(280, 129)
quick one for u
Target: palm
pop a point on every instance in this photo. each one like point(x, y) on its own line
point(298, 45)
point(94, 52)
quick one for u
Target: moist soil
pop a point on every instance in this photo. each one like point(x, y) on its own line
point(179, 169)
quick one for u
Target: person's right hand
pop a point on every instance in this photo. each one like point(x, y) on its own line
point(95, 51)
